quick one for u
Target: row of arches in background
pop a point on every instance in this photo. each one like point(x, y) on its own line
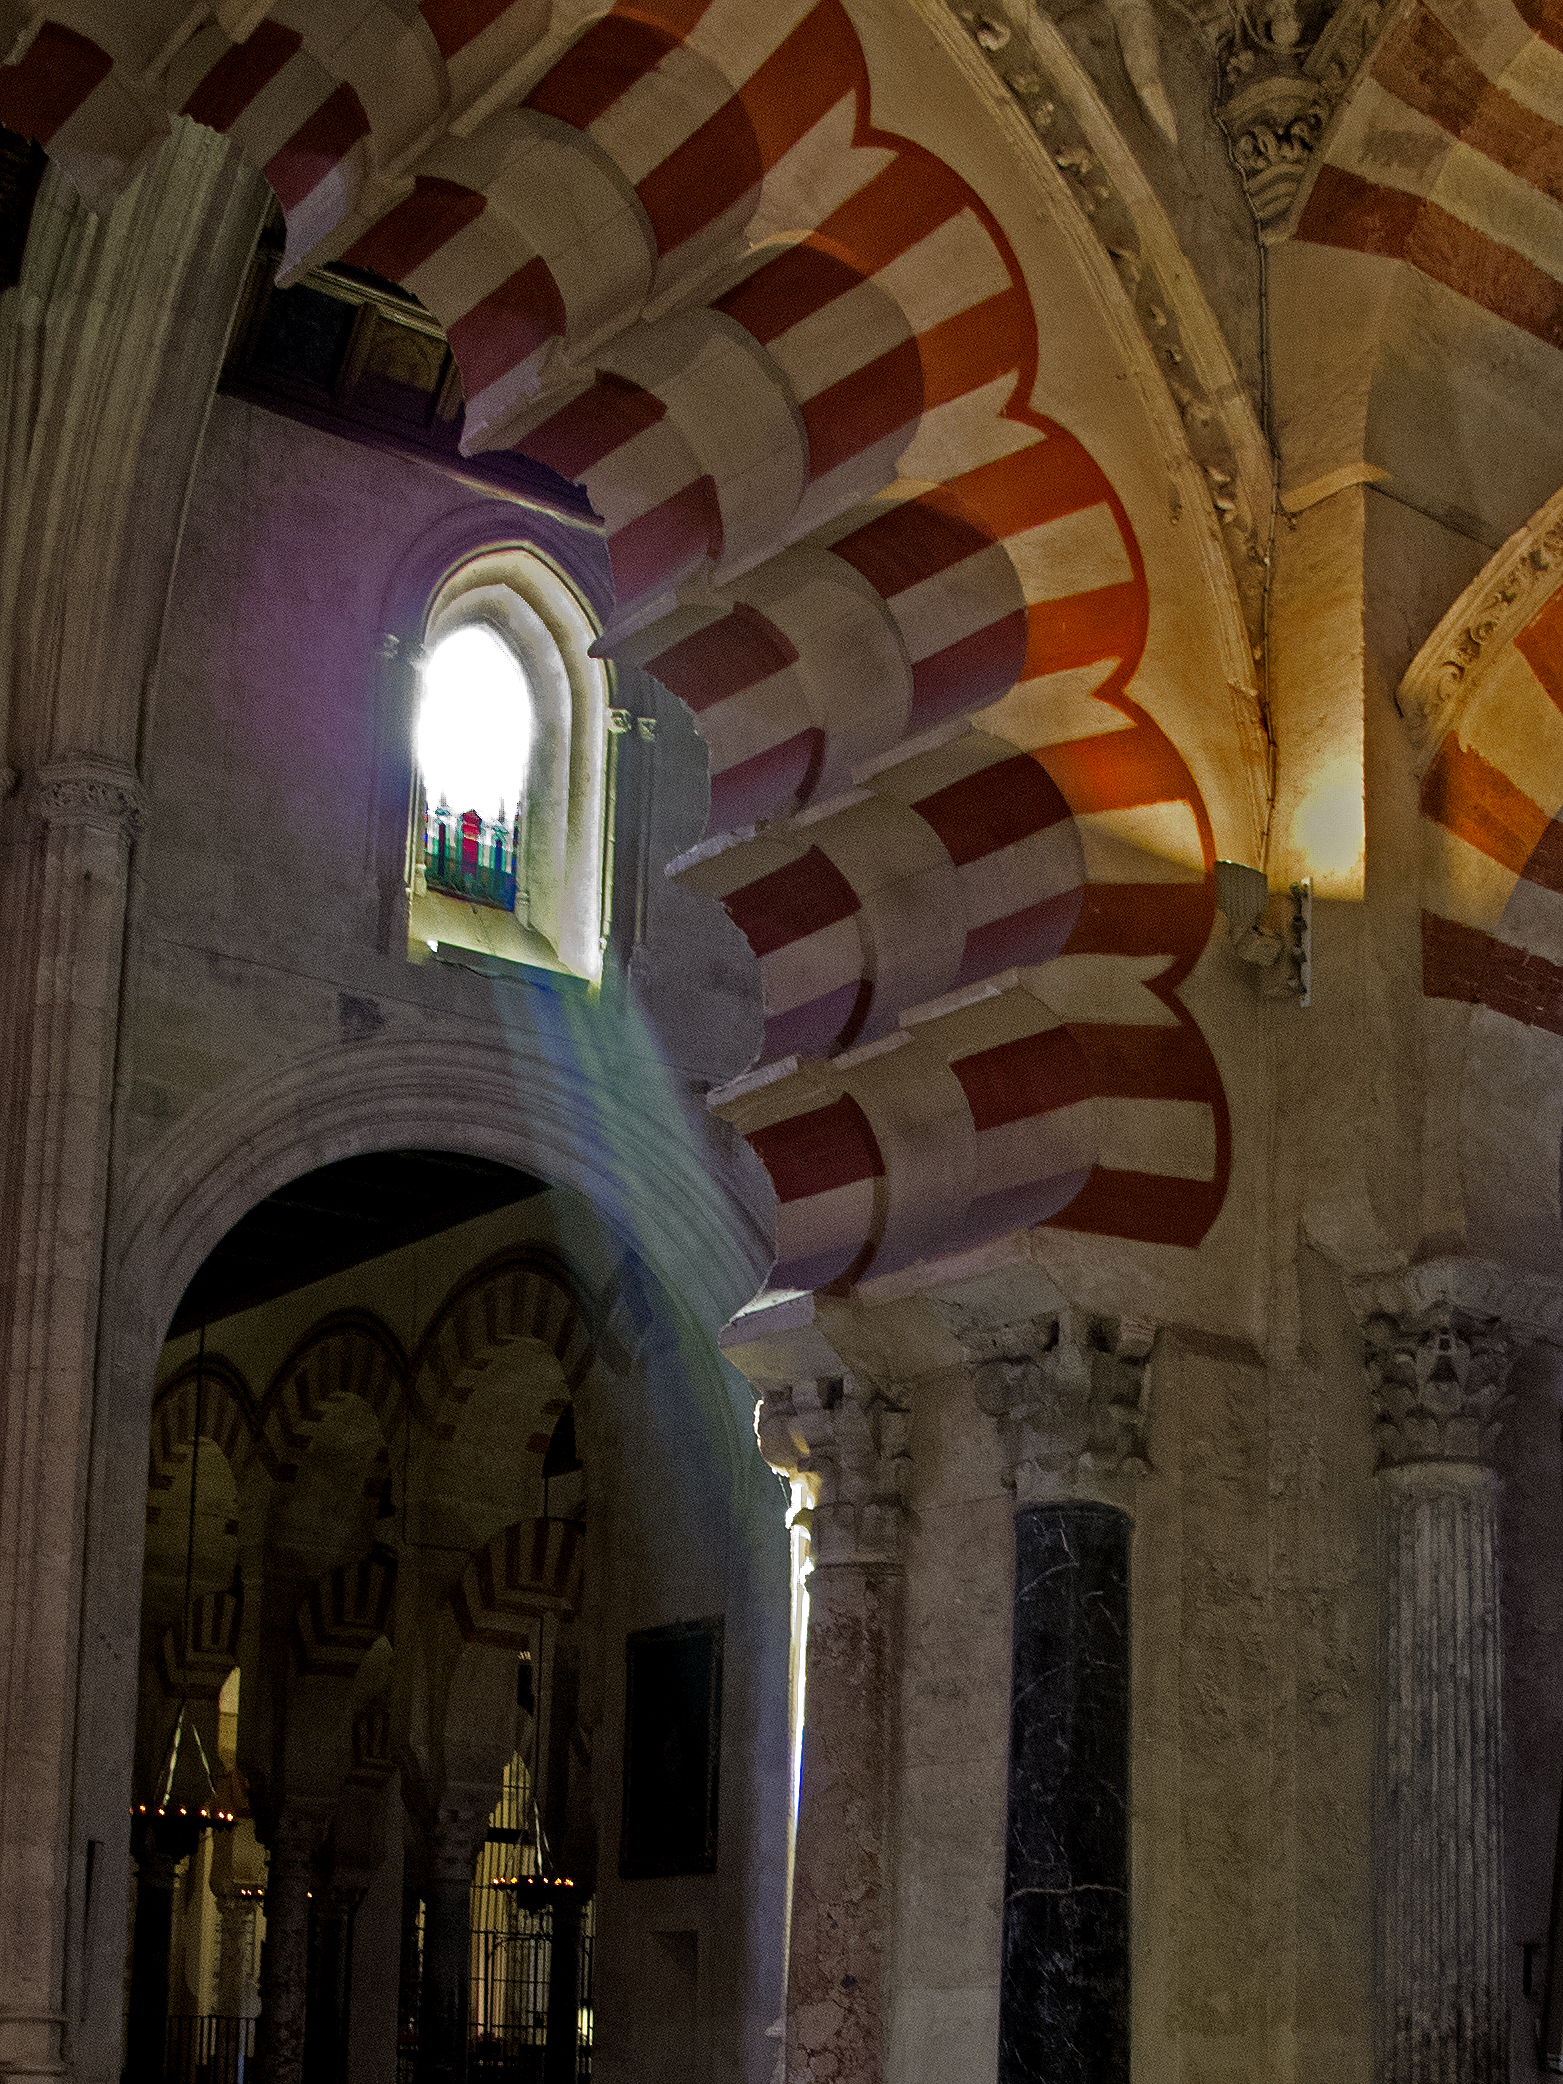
point(791, 355)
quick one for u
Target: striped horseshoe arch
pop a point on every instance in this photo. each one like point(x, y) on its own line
point(792, 356)
point(1487, 689)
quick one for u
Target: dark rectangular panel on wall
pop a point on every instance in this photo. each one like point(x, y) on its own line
point(672, 1740)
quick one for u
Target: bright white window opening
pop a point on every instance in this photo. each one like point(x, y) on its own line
point(474, 725)
point(505, 846)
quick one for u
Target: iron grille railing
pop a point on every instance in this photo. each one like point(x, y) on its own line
point(210, 2050)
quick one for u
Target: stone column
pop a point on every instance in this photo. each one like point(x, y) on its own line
point(559, 2055)
point(458, 1831)
point(109, 349)
point(1070, 1397)
point(146, 2021)
point(235, 1951)
point(1439, 1380)
point(851, 1439)
point(331, 1971)
point(279, 2050)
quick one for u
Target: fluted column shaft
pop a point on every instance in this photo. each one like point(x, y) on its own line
point(1443, 1976)
point(850, 1440)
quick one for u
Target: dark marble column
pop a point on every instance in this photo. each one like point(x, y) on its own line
point(1064, 1992)
point(1070, 1395)
point(330, 1983)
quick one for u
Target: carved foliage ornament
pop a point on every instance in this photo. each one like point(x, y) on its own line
point(1439, 1383)
point(1071, 1396)
point(852, 1438)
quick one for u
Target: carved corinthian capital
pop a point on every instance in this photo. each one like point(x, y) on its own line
point(851, 1438)
point(1439, 1381)
point(1070, 1394)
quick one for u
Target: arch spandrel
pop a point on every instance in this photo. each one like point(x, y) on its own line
point(1484, 699)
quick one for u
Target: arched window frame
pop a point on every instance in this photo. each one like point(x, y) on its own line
point(560, 918)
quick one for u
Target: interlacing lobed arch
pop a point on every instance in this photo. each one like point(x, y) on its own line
point(791, 356)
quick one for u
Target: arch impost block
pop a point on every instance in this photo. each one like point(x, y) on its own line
point(1071, 1395)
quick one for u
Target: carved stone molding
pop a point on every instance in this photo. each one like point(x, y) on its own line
point(1071, 1397)
point(1439, 1383)
point(1119, 213)
point(90, 792)
point(852, 1439)
point(1283, 89)
point(1488, 616)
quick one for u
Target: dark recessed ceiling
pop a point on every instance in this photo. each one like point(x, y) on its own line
point(339, 1216)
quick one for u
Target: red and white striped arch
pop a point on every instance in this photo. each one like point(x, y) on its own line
point(793, 357)
point(1489, 683)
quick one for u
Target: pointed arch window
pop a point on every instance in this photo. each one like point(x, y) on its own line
point(506, 838)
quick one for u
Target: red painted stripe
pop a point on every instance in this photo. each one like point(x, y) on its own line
point(789, 289)
point(317, 147)
point(699, 179)
point(1084, 628)
point(965, 675)
point(1363, 217)
point(1475, 968)
point(790, 902)
point(51, 80)
point(875, 401)
point(658, 545)
point(592, 426)
point(1147, 1207)
point(995, 807)
point(1035, 935)
point(1423, 66)
point(963, 353)
point(910, 198)
point(1020, 1079)
point(240, 74)
point(600, 66)
point(1052, 478)
point(1545, 17)
point(1480, 805)
point(724, 658)
point(812, 1153)
point(1148, 1063)
point(416, 227)
point(1172, 919)
point(1118, 769)
point(779, 779)
point(1540, 644)
point(507, 325)
point(911, 543)
point(455, 23)
point(786, 95)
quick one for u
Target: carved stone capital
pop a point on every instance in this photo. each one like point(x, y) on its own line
point(1439, 1382)
point(850, 1437)
point(1070, 1394)
point(90, 792)
point(457, 1831)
